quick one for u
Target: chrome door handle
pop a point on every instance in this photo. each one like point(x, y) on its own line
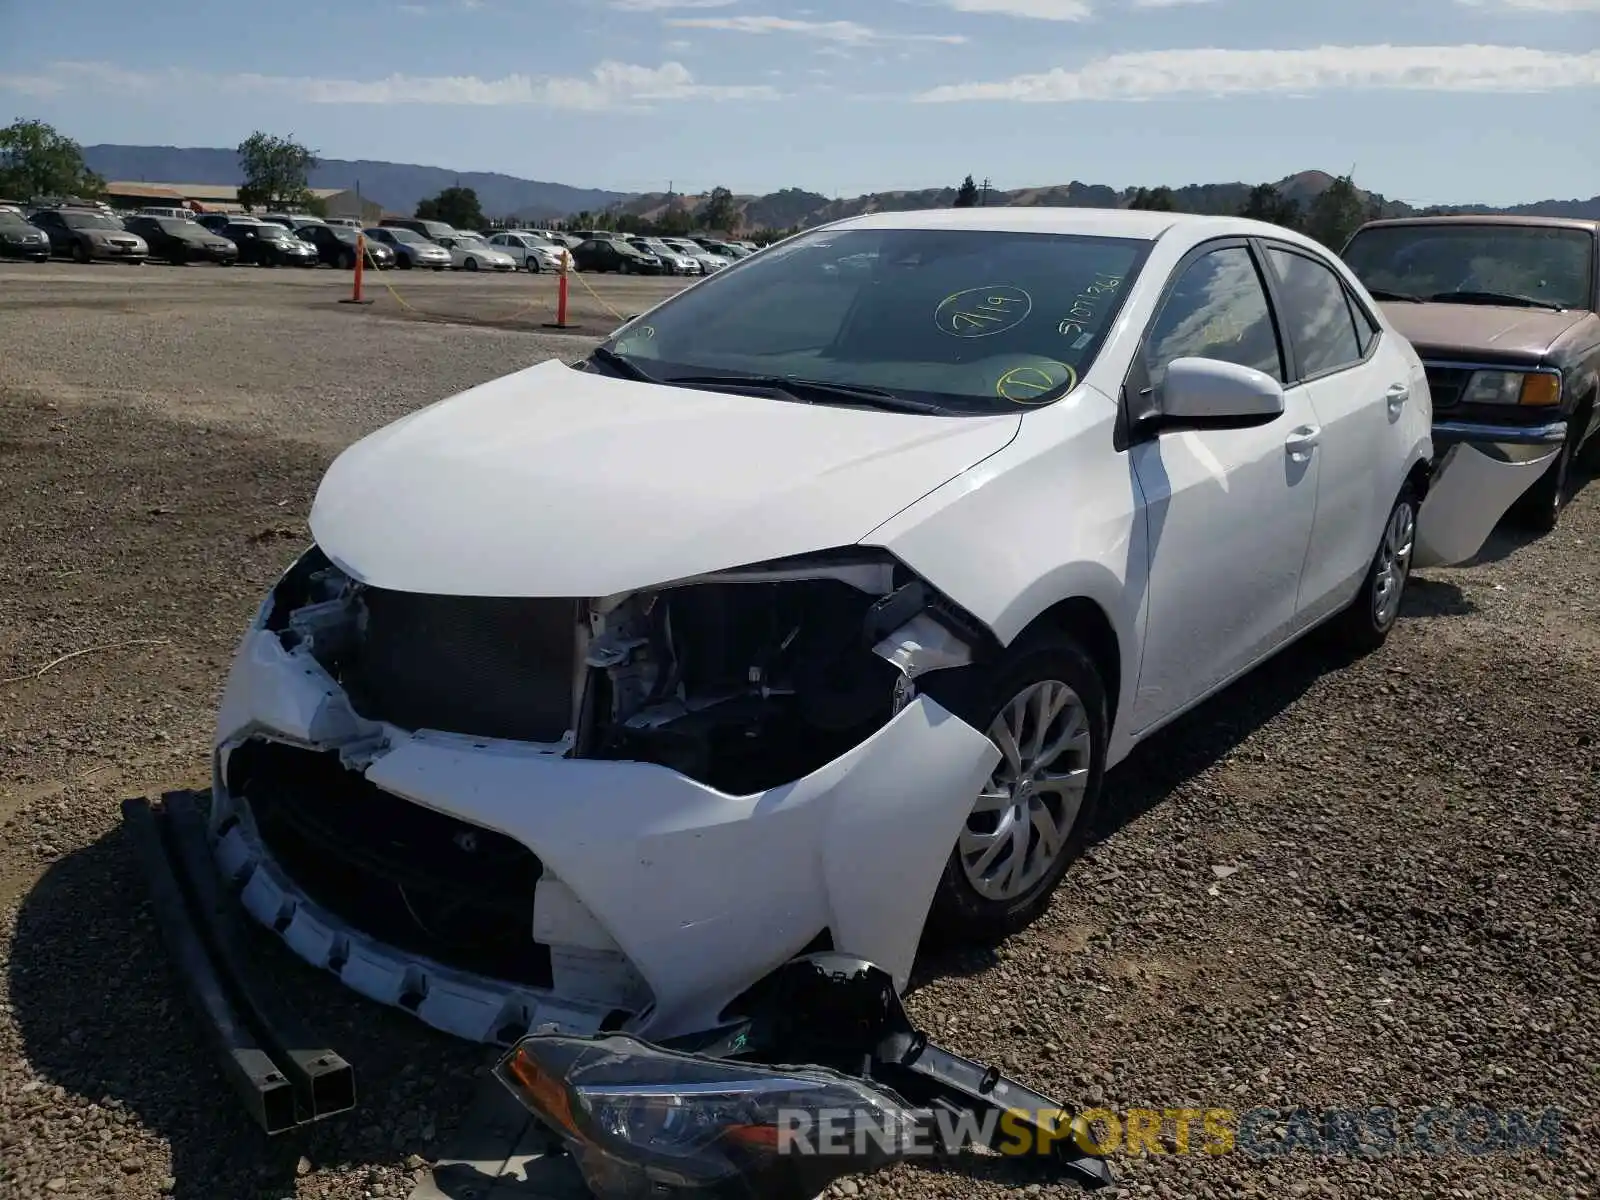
point(1302, 441)
point(1397, 395)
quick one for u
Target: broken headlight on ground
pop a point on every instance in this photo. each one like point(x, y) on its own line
point(642, 1121)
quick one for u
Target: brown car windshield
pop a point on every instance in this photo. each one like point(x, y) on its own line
point(1548, 266)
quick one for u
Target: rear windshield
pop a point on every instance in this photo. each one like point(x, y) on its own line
point(972, 321)
point(1549, 264)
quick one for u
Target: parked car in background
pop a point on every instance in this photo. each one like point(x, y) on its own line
point(675, 261)
point(21, 239)
point(173, 213)
point(908, 709)
point(293, 220)
point(469, 252)
point(1503, 310)
point(594, 235)
point(709, 262)
point(534, 251)
point(560, 237)
point(88, 235)
point(342, 222)
point(336, 246)
point(728, 250)
point(268, 244)
point(411, 249)
point(182, 241)
point(217, 222)
point(432, 230)
point(614, 254)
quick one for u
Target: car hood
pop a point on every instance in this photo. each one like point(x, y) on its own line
point(1462, 329)
point(557, 482)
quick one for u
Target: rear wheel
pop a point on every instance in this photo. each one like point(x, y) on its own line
point(472, 264)
point(1044, 708)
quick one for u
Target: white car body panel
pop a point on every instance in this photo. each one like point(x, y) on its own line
point(404, 508)
point(1204, 552)
point(1471, 492)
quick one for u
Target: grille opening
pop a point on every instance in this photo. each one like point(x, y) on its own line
point(1445, 384)
point(418, 880)
point(484, 666)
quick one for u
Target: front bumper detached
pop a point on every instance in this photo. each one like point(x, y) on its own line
point(659, 900)
point(1483, 469)
point(265, 1053)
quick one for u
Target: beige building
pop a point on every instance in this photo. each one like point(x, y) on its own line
point(207, 197)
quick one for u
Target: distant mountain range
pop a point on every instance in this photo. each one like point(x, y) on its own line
point(396, 186)
point(399, 186)
point(794, 206)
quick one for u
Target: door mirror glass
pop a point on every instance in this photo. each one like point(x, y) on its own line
point(1208, 391)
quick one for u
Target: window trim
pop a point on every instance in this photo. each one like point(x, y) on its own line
point(1136, 380)
point(1352, 302)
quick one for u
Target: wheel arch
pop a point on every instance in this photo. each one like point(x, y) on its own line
point(1084, 619)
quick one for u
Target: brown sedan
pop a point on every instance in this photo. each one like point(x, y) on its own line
point(1505, 313)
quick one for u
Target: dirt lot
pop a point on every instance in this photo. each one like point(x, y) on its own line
point(1336, 886)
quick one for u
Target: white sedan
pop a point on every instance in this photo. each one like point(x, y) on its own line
point(469, 252)
point(532, 250)
point(809, 609)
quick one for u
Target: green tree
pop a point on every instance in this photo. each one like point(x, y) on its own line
point(1158, 199)
point(1266, 203)
point(967, 194)
point(457, 206)
point(1337, 213)
point(718, 211)
point(35, 160)
point(276, 172)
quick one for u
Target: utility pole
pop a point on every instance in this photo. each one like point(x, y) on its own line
point(983, 193)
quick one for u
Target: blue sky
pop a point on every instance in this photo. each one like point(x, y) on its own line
point(1430, 101)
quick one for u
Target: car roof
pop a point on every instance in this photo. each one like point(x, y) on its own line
point(1140, 224)
point(1523, 219)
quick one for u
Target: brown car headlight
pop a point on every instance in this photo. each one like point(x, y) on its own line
point(1531, 389)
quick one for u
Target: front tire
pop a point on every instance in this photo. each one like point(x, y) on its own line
point(471, 264)
point(1541, 506)
point(1044, 707)
point(1366, 623)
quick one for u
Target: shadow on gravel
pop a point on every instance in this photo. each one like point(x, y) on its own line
point(1509, 536)
point(1435, 598)
point(103, 1014)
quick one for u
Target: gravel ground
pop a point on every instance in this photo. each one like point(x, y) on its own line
point(1338, 885)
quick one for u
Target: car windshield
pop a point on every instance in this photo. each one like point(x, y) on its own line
point(969, 321)
point(408, 235)
point(89, 220)
point(1545, 264)
point(12, 223)
point(178, 227)
point(276, 232)
point(473, 241)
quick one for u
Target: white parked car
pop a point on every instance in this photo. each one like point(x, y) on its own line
point(709, 263)
point(531, 250)
point(810, 608)
point(469, 252)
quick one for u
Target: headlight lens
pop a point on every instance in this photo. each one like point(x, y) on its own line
point(645, 1121)
point(1538, 389)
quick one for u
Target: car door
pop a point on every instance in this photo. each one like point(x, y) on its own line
point(55, 229)
point(1229, 512)
point(1357, 393)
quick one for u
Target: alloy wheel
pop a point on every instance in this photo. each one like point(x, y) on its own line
point(1022, 819)
point(1394, 563)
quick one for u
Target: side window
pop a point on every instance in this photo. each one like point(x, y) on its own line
point(1217, 309)
point(1366, 327)
point(1316, 313)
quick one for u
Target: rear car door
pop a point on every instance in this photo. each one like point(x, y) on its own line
point(1229, 511)
point(1357, 389)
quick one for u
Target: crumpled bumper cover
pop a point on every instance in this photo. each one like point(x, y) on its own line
point(694, 893)
point(1482, 471)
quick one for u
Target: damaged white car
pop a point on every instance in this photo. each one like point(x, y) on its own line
point(809, 609)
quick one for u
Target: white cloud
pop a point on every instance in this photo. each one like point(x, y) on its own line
point(609, 85)
point(1159, 73)
point(1039, 10)
point(843, 32)
point(663, 5)
point(1524, 6)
